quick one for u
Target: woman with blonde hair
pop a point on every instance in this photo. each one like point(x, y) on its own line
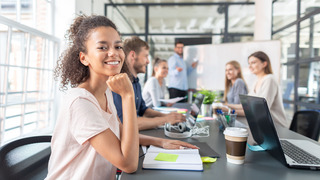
point(234, 83)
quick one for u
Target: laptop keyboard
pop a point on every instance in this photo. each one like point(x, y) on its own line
point(297, 154)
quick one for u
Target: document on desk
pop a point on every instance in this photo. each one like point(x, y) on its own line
point(178, 159)
point(172, 100)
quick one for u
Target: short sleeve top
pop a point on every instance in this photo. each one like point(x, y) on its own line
point(80, 119)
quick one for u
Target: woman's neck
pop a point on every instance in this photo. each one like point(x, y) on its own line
point(261, 75)
point(160, 79)
point(95, 87)
point(233, 80)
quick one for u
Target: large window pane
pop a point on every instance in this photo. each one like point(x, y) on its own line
point(15, 79)
point(13, 110)
point(284, 13)
point(309, 78)
point(288, 38)
point(11, 134)
point(128, 19)
point(308, 6)
point(13, 122)
point(36, 51)
point(186, 19)
point(241, 19)
point(288, 82)
point(3, 42)
point(18, 48)
point(309, 37)
point(289, 110)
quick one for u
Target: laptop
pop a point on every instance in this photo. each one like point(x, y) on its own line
point(194, 110)
point(291, 152)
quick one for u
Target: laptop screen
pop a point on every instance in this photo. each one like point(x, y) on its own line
point(194, 110)
point(261, 125)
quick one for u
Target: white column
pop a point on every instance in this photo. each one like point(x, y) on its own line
point(262, 25)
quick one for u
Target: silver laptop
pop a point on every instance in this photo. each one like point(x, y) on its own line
point(291, 152)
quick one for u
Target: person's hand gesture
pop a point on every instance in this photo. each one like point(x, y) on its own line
point(179, 69)
point(176, 144)
point(120, 84)
point(175, 117)
point(194, 64)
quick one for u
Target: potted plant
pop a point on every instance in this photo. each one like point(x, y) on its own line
point(209, 98)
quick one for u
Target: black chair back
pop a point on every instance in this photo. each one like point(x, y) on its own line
point(307, 123)
point(25, 158)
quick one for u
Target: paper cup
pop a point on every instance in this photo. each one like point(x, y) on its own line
point(236, 143)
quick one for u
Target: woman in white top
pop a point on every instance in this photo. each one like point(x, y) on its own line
point(155, 87)
point(234, 83)
point(89, 142)
point(265, 86)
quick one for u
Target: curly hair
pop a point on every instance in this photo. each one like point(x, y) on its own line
point(69, 67)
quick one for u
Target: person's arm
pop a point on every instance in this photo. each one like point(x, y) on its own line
point(154, 92)
point(152, 119)
point(192, 67)
point(239, 88)
point(238, 109)
point(164, 143)
point(172, 64)
point(123, 154)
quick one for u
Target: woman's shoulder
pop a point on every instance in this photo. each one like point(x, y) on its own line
point(239, 81)
point(151, 82)
point(269, 78)
point(75, 94)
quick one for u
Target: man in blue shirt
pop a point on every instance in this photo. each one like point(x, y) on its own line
point(137, 52)
point(178, 72)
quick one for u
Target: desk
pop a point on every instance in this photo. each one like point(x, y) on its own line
point(257, 166)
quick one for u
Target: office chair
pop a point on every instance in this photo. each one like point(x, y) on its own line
point(307, 123)
point(25, 158)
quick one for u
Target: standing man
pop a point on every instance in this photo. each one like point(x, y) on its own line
point(178, 72)
point(137, 52)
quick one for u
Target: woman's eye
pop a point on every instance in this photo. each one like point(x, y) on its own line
point(102, 48)
point(119, 47)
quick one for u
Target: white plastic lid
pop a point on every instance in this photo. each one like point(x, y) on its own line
point(236, 131)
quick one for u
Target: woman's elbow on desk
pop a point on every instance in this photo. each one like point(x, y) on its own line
point(131, 168)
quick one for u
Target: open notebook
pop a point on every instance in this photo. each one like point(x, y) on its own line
point(178, 159)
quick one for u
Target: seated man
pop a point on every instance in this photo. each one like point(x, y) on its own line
point(137, 52)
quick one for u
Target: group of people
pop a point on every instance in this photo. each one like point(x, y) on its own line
point(97, 130)
point(265, 86)
point(178, 70)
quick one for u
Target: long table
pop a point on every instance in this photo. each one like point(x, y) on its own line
point(258, 165)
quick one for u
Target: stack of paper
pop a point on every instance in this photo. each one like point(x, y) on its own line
point(179, 159)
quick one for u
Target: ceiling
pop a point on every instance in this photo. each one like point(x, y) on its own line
point(165, 22)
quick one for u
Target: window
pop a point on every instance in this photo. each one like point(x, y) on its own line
point(27, 59)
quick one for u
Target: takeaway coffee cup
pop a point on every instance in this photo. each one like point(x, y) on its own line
point(236, 143)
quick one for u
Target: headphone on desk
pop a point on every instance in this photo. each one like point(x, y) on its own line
point(179, 130)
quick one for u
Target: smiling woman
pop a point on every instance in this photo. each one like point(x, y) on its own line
point(89, 141)
point(88, 129)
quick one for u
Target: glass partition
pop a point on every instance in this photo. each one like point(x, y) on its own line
point(284, 13)
point(309, 78)
point(309, 37)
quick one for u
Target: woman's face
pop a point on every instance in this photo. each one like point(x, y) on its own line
point(231, 72)
point(162, 69)
point(104, 55)
point(256, 66)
